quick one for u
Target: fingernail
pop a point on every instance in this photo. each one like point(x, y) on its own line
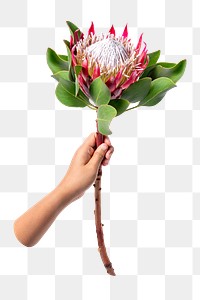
point(104, 146)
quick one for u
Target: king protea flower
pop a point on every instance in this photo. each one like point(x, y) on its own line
point(115, 59)
point(114, 74)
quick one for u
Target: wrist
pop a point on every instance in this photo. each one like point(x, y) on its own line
point(66, 192)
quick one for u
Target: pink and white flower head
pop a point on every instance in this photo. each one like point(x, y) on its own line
point(113, 58)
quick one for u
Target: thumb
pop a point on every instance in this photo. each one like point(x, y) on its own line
point(98, 155)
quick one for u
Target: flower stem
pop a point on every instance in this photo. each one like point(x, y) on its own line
point(92, 107)
point(99, 226)
point(133, 107)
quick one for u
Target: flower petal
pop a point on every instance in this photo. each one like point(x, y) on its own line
point(137, 49)
point(83, 86)
point(76, 36)
point(125, 32)
point(112, 30)
point(91, 29)
point(130, 80)
point(118, 77)
point(142, 56)
point(117, 93)
point(111, 83)
point(71, 42)
point(146, 62)
point(73, 56)
point(82, 36)
point(96, 72)
point(85, 67)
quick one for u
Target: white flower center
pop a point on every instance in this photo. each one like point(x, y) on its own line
point(108, 53)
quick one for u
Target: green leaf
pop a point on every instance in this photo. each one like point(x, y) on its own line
point(55, 62)
point(153, 57)
point(67, 43)
point(83, 96)
point(71, 86)
point(77, 69)
point(69, 56)
point(63, 57)
point(61, 74)
point(147, 71)
point(99, 92)
point(166, 64)
point(120, 105)
point(73, 28)
point(66, 95)
point(105, 114)
point(174, 72)
point(158, 89)
point(71, 70)
point(137, 91)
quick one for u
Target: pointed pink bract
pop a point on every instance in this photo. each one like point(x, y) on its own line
point(71, 42)
point(82, 36)
point(73, 57)
point(96, 72)
point(76, 37)
point(112, 30)
point(125, 32)
point(131, 79)
point(137, 49)
point(116, 93)
point(91, 29)
point(118, 77)
point(142, 56)
point(111, 84)
point(83, 85)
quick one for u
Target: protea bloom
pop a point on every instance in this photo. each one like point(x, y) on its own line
point(115, 59)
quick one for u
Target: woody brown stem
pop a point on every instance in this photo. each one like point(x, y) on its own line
point(97, 212)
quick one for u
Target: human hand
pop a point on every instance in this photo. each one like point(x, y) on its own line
point(31, 226)
point(84, 165)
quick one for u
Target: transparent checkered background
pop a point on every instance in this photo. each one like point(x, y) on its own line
point(151, 189)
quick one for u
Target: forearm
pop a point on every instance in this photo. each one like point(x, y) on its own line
point(31, 226)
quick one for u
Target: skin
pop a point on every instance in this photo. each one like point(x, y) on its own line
point(32, 225)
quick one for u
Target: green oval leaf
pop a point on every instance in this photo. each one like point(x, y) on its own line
point(72, 88)
point(172, 72)
point(66, 95)
point(153, 57)
point(99, 92)
point(105, 114)
point(71, 70)
point(166, 64)
point(55, 62)
point(137, 91)
point(61, 74)
point(158, 89)
point(63, 57)
point(148, 70)
point(120, 105)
